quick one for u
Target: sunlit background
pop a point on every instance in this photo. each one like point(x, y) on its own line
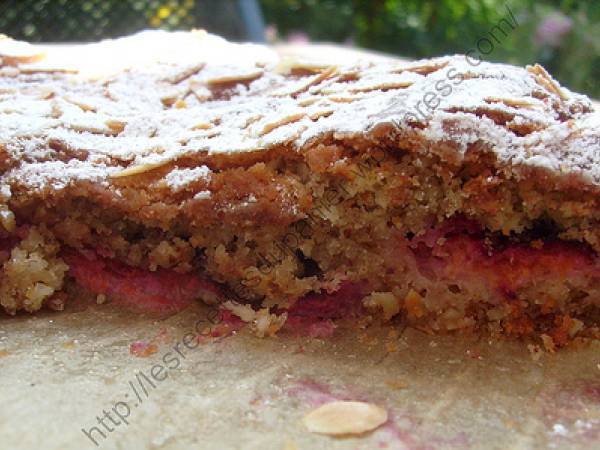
point(563, 35)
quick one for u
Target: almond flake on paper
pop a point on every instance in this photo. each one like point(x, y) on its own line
point(345, 417)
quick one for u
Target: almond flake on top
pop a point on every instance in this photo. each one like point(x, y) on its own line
point(196, 94)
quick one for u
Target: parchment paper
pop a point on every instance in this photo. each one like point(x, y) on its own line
point(60, 371)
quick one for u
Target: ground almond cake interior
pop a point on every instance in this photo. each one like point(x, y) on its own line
point(163, 168)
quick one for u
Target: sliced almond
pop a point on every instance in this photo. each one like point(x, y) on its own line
point(180, 104)
point(252, 119)
point(345, 417)
point(304, 84)
point(203, 126)
point(116, 126)
point(183, 75)
point(544, 79)
point(283, 121)
point(289, 64)
point(308, 101)
point(79, 103)
point(514, 102)
point(383, 86)
point(339, 99)
point(423, 69)
point(138, 169)
point(322, 113)
point(233, 78)
point(18, 52)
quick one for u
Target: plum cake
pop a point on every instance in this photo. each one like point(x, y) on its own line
point(164, 168)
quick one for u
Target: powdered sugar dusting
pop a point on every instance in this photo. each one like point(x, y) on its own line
point(199, 96)
point(178, 179)
point(57, 175)
point(202, 195)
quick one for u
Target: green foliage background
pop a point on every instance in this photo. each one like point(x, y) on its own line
point(421, 28)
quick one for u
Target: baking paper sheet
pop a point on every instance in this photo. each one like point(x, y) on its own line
point(61, 371)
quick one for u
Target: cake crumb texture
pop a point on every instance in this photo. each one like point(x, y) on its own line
point(33, 272)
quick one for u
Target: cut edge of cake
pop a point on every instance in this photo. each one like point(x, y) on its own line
point(448, 194)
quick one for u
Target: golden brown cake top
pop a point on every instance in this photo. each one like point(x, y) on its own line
point(114, 109)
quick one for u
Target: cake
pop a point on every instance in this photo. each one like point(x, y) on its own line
point(163, 168)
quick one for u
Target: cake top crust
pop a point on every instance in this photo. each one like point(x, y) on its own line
point(104, 111)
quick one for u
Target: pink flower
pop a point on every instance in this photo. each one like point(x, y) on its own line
point(552, 29)
point(298, 37)
point(271, 33)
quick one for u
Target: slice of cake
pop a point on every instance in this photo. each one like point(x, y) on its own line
point(162, 168)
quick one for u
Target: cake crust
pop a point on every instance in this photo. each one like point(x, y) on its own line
point(217, 111)
point(202, 155)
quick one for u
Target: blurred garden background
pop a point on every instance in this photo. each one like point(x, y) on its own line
point(563, 35)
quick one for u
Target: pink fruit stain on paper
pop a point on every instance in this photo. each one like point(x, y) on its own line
point(142, 349)
point(571, 411)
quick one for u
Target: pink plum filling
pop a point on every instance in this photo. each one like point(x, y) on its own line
point(457, 252)
point(162, 292)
